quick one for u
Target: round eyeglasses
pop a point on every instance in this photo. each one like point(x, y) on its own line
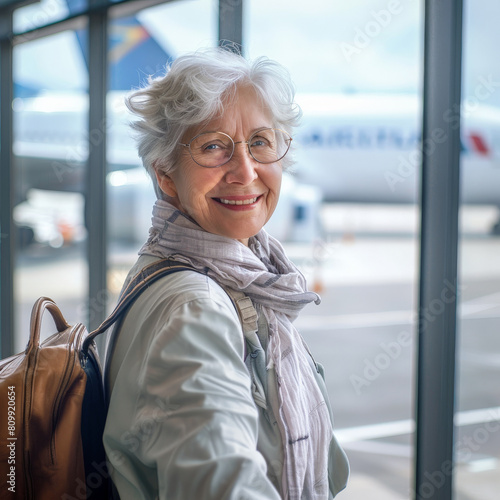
point(214, 149)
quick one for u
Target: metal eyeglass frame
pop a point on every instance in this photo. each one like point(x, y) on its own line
point(287, 140)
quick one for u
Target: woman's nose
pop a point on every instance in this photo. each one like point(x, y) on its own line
point(241, 168)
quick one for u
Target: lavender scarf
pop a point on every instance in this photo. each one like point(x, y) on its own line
point(264, 273)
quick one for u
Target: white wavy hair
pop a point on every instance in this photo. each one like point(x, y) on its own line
point(193, 91)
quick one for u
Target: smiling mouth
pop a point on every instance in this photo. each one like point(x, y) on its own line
point(237, 202)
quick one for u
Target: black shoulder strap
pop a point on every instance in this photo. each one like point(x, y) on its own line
point(147, 276)
point(142, 280)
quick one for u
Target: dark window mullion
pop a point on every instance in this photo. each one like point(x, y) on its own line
point(231, 23)
point(439, 246)
point(7, 191)
point(95, 199)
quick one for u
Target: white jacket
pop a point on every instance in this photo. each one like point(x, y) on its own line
point(189, 417)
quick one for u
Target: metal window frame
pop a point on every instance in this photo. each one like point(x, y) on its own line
point(95, 194)
point(439, 207)
point(435, 378)
point(7, 242)
point(231, 24)
point(230, 29)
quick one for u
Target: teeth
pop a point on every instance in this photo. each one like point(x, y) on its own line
point(238, 202)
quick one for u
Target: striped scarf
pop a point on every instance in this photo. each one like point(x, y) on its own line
point(264, 273)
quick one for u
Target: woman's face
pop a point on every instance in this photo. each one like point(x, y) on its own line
point(201, 192)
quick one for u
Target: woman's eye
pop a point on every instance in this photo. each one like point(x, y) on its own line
point(212, 146)
point(259, 143)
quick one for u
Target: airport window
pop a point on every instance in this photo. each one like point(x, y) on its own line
point(50, 151)
point(348, 215)
point(477, 440)
point(164, 35)
point(357, 71)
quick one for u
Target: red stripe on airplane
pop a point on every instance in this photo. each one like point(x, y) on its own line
point(479, 145)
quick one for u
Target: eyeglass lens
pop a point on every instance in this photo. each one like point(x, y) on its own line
point(212, 149)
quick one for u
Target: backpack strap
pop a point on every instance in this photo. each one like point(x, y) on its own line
point(245, 309)
point(142, 280)
point(246, 312)
point(153, 272)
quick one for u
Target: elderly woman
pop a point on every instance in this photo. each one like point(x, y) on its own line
point(201, 407)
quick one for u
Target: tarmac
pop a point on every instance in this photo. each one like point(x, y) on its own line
point(364, 264)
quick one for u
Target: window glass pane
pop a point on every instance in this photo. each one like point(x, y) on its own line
point(41, 13)
point(357, 69)
point(50, 150)
point(477, 441)
point(139, 47)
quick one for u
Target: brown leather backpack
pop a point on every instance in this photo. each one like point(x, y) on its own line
point(53, 407)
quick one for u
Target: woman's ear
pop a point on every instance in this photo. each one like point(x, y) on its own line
point(165, 183)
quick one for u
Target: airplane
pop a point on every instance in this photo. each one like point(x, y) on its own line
point(356, 147)
point(367, 148)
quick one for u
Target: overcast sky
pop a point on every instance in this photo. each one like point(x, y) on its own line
point(328, 45)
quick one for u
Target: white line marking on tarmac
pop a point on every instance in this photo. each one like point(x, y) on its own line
point(402, 427)
point(491, 298)
point(480, 416)
point(483, 464)
point(348, 321)
point(375, 431)
point(468, 310)
point(380, 448)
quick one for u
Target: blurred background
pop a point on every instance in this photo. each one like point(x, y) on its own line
point(348, 214)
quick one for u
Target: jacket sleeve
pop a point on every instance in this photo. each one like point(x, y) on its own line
point(195, 399)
